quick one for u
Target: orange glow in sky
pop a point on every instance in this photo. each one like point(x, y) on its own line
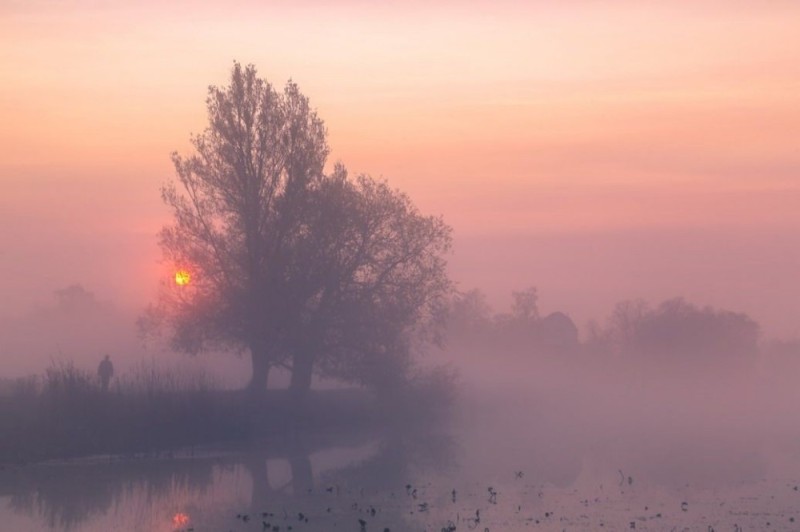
point(510, 119)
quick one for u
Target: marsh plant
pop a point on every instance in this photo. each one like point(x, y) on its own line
point(153, 407)
point(65, 411)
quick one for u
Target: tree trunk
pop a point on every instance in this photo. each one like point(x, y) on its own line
point(262, 493)
point(302, 369)
point(302, 473)
point(261, 367)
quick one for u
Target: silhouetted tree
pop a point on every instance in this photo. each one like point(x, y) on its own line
point(679, 329)
point(524, 305)
point(520, 324)
point(381, 284)
point(75, 298)
point(470, 312)
point(625, 320)
point(293, 265)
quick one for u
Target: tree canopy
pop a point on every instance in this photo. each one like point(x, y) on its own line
point(300, 267)
point(677, 329)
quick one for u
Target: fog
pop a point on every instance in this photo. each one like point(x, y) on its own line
point(744, 265)
point(595, 393)
point(585, 416)
point(621, 332)
point(584, 275)
point(698, 404)
point(705, 399)
point(667, 402)
point(666, 412)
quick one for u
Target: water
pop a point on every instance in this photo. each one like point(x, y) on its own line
point(537, 463)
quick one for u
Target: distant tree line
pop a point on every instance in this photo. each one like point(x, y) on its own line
point(471, 320)
point(674, 330)
point(677, 329)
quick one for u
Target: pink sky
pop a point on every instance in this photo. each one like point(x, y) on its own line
point(600, 150)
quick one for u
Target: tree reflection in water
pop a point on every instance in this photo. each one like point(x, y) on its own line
point(71, 496)
point(357, 486)
point(336, 479)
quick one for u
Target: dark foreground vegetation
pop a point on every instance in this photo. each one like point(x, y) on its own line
point(66, 414)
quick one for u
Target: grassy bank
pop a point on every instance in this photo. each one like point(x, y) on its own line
point(66, 414)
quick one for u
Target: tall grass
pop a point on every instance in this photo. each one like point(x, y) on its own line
point(66, 413)
point(151, 379)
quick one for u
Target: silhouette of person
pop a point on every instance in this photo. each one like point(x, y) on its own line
point(105, 371)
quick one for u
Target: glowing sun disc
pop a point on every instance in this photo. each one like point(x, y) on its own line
point(180, 519)
point(182, 277)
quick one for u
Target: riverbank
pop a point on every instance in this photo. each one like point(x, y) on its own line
point(69, 416)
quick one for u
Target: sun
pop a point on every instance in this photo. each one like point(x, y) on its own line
point(180, 519)
point(182, 277)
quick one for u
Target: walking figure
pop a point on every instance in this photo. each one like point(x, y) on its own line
point(105, 371)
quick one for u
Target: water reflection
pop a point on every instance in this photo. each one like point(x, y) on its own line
point(64, 496)
point(301, 474)
point(560, 443)
point(332, 478)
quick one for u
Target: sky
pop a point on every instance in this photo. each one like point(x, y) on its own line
point(597, 150)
